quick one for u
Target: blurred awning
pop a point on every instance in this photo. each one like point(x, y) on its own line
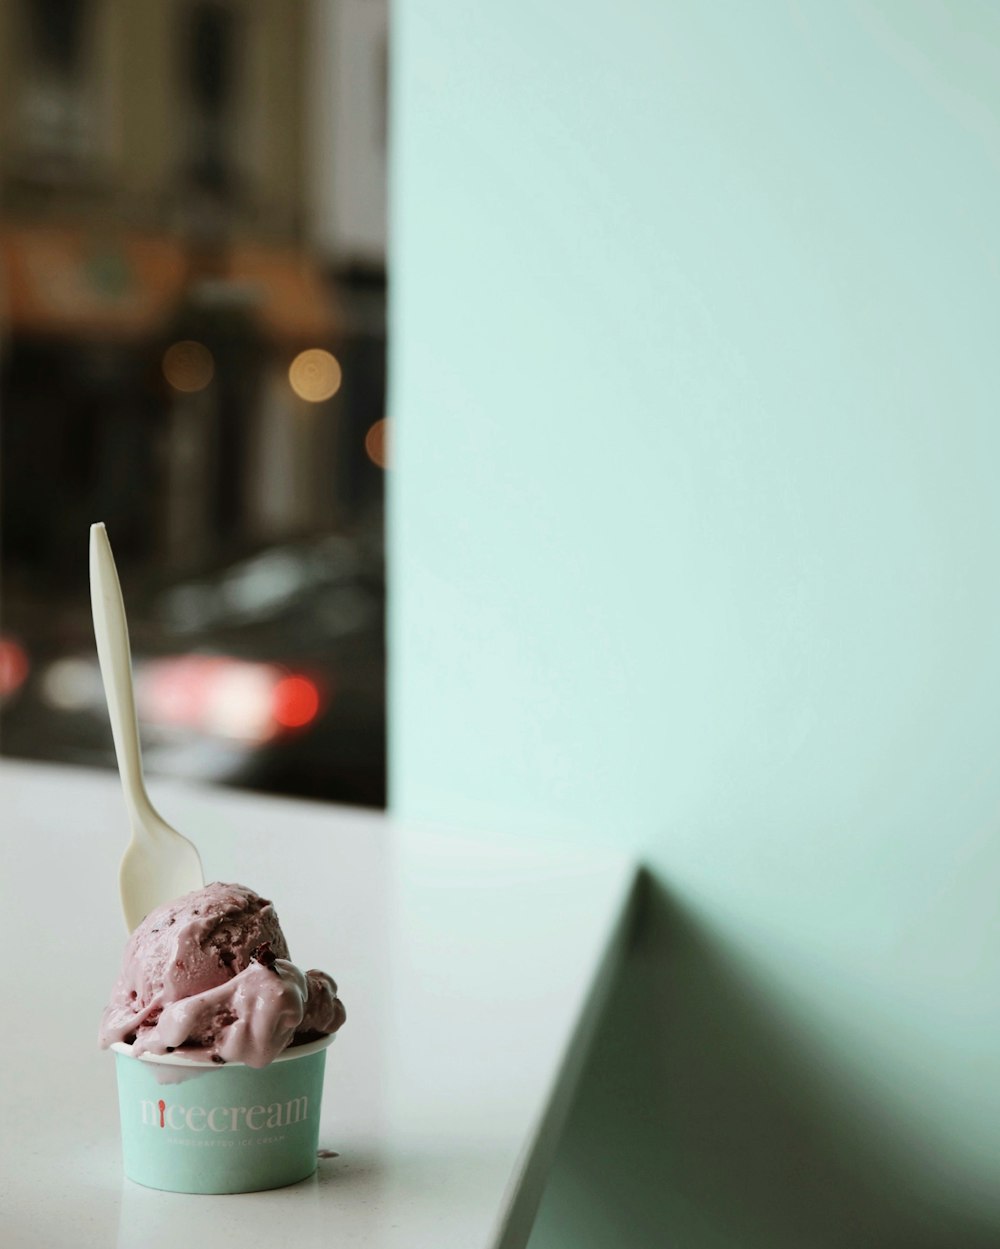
point(97, 284)
point(69, 282)
point(287, 290)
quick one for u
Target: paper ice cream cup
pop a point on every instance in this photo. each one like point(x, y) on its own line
point(202, 1127)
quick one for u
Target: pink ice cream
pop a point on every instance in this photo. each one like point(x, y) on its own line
point(208, 974)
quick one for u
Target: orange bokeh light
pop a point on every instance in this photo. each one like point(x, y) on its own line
point(315, 375)
point(188, 366)
point(377, 443)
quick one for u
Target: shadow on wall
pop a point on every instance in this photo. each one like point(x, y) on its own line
point(706, 1119)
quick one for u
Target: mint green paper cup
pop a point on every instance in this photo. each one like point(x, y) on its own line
point(197, 1127)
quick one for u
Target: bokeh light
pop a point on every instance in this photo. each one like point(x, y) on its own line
point(295, 702)
point(315, 375)
point(377, 443)
point(238, 702)
point(13, 665)
point(188, 366)
point(223, 696)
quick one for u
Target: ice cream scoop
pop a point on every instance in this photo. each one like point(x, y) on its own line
point(159, 863)
point(208, 975)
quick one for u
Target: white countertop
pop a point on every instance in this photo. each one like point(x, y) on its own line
point(472, 970)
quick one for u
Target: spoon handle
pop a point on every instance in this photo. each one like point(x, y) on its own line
point(111, 632)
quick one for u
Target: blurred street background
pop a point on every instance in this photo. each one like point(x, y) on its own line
point(192, 350)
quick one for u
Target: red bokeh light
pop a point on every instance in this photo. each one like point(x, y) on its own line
point(296, 702)
point(13, 665)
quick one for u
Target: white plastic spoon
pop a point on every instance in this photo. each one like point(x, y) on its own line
point(158, 864)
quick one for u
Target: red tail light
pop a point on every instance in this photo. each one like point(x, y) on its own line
point(225, 697)
point(13, 665)
point(294, 702)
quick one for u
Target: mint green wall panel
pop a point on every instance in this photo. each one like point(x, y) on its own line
point(695, 538)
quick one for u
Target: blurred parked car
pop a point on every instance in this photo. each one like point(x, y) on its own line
point(268, 673)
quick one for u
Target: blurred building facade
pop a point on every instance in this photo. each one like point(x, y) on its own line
point(187, 352)
point(154, 168)
point(172, 114)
